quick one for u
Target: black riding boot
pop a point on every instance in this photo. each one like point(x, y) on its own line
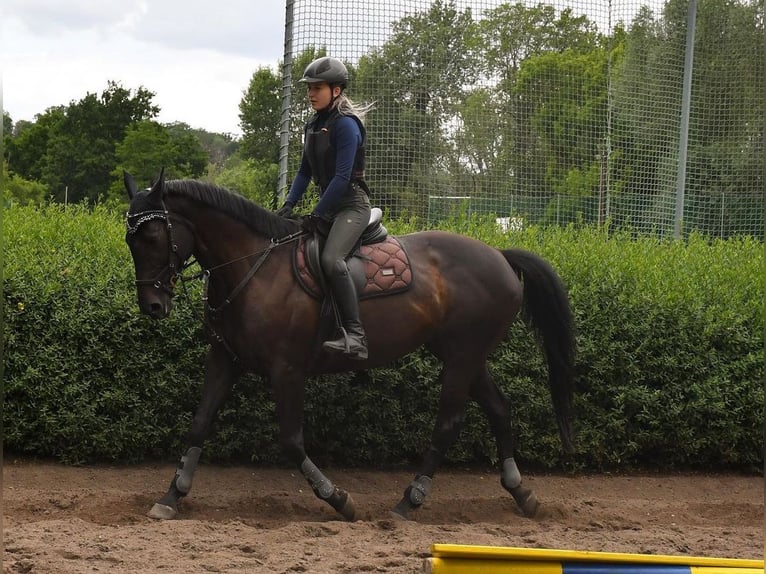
point(353, 342)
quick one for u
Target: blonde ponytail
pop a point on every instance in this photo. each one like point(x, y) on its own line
point(346, 107)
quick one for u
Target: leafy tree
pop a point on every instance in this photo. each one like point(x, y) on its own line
point(416, 79)
point(80, 154)
point(6, 136)
point(148, 147)
point(647, 99)
point(26, 150)
point(254, 180)
point(566, 95)
point(218, 147)
point(189, 159)
point(7, 124)
point(514, 34)
point(260, 111)
point(726, 140)
point(20, 191)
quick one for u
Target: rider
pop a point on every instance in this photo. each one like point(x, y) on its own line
point(333, 155)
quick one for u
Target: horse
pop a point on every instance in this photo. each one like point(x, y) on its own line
point(259, 318)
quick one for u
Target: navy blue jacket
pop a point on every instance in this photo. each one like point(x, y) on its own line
point(341, 163)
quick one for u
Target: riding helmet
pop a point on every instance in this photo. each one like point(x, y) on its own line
point(326, 69)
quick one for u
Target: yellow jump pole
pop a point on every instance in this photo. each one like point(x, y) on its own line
point(464, 559)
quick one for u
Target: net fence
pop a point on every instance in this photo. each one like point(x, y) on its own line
point(575, 111)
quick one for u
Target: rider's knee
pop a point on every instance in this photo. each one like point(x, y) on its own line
point(334, 266)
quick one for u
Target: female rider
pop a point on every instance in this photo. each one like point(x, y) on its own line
point(333, 156)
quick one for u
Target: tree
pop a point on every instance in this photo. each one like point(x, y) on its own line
point(646, 85)
point(218, 147)
point(148, 147)
point(514, 32)
point(254, 180)
point(726, 139)
point(6, 136)
point(26, 150)
point(188, 158)
point(416, 80)
point(7, 123)
point(80, 154)
point(259, 114)
point(566, 96)
point(514, 35)
point(20, 191)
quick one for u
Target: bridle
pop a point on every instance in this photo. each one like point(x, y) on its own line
point(173, 272)
point(166, 280)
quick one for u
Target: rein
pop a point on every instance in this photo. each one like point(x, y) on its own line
point(212, 312)
point(205, 273)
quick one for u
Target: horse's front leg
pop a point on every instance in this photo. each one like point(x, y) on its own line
point(289, 390)
point(220, 375)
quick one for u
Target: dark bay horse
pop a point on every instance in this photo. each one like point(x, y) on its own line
point(463, 298)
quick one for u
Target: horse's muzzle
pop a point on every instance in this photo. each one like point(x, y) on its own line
point(156, 308)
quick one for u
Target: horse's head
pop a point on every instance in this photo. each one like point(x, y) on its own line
point(160, 243)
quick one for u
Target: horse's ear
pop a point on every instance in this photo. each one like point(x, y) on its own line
point(155, 194)
point(130, 184)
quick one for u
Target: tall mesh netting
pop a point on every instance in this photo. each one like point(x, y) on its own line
point(577, 111)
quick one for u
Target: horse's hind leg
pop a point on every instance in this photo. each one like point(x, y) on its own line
point(496, 406)
point(455, 380)
point(220, 375)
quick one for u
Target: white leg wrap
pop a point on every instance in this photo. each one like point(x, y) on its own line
point(185, 473)
point(511, 477)
point(318, 481)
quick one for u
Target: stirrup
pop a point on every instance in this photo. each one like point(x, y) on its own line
point(343, 345)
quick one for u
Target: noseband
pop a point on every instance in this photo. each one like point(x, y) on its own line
point(133, 222)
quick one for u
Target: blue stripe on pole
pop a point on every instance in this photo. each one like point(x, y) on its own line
point(616, 568)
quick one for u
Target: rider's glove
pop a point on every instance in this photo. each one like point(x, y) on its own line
point(309, 223)
point(286, 210)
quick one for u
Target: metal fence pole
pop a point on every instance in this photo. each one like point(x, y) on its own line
point(287, 88)
point(683, 140)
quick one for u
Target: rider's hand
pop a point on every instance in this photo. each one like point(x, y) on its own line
point(286, 210)
point(309, 223)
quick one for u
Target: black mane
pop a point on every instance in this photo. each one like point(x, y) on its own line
point(236, 206)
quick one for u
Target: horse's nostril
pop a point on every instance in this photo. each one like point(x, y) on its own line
point(156, 310)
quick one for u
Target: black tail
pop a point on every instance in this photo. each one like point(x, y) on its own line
point(547, 308)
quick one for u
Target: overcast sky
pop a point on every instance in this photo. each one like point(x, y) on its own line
point(197, 56)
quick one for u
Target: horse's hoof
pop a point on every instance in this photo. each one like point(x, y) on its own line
point(526, 500)
point(530, 507)
point(402, 510)
point(343, 504)
point(162, 512)
point(348, 510)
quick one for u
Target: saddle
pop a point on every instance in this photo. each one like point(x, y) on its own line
point(379, 266)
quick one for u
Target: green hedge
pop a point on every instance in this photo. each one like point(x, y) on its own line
point(670, 359)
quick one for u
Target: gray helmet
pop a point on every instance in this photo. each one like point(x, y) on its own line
point(326, 69)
